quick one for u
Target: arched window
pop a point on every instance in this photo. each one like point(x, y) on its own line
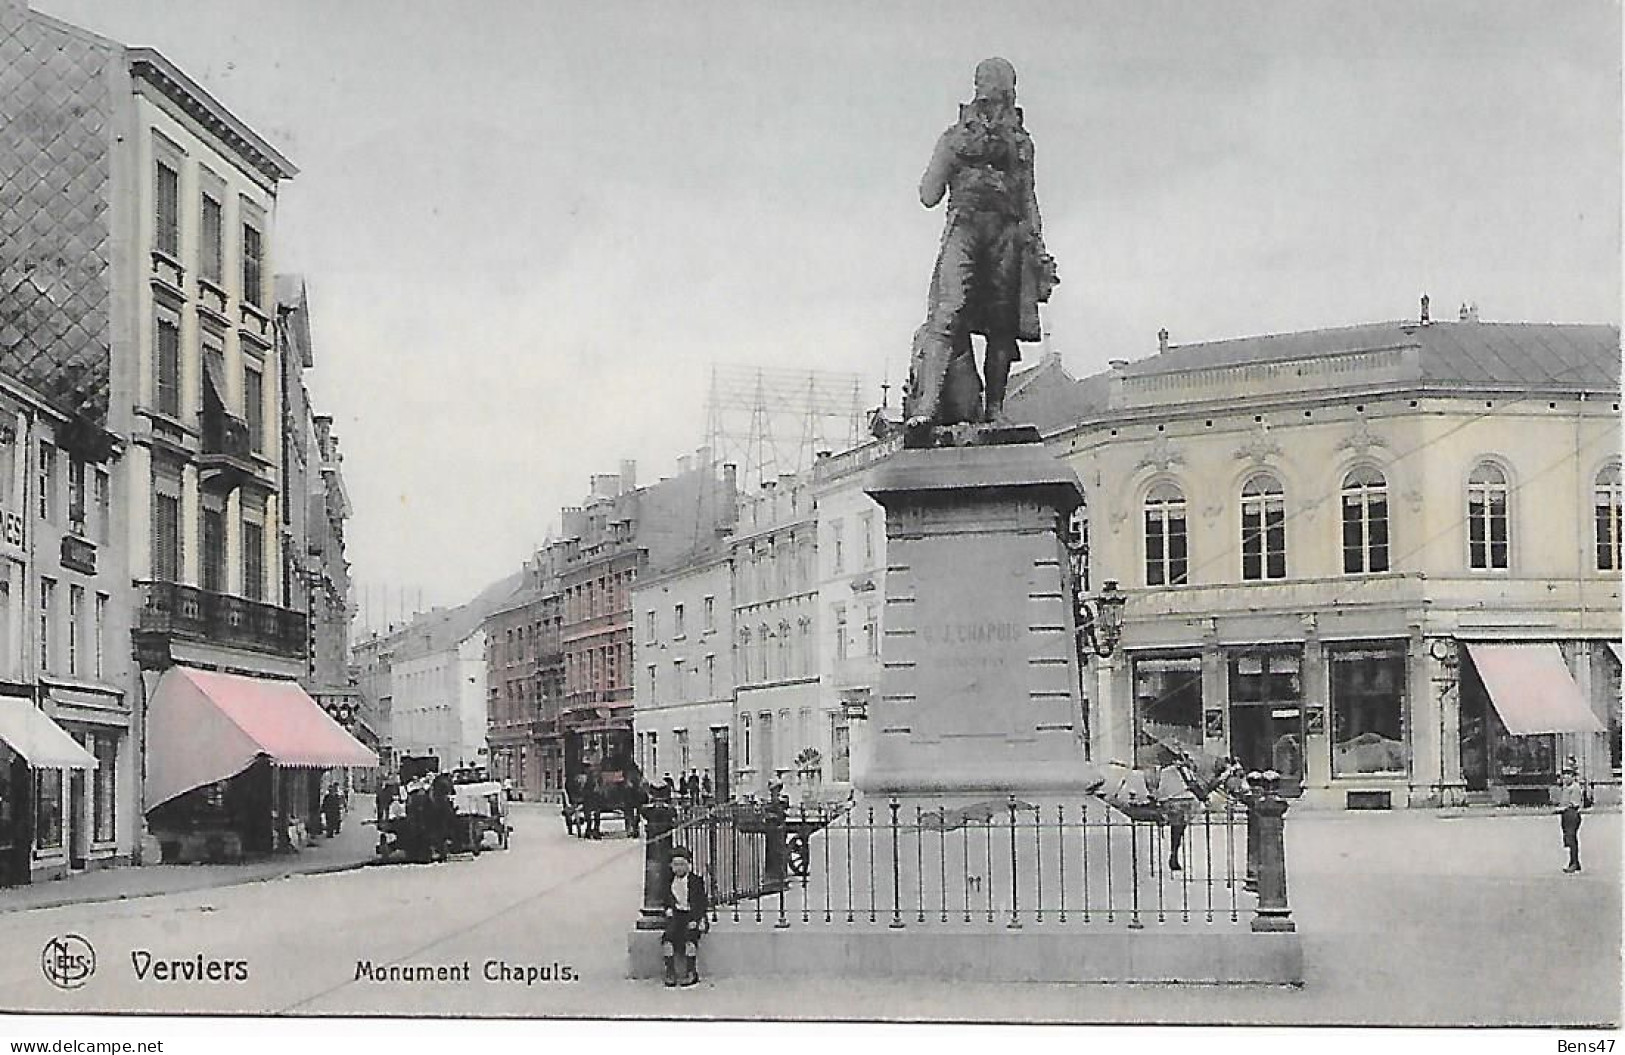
point(1488, 529)
point(1166, 559)
point(786, 650)
point(1607, 503)
point(744, 655)
point(1263, 529)
point(764, 653)
point(1365, 521)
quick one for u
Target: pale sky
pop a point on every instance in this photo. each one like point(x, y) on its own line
point(528, 228)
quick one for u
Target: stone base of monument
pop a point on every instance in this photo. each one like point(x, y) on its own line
point(989, 953)
point(983, 953)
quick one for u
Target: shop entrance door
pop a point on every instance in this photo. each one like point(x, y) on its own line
point(78, 821)
point(1266, 714)
point(16, 833)
point(1264, 736)
point(720, 764)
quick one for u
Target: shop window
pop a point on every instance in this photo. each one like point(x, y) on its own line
point(1365, 522)
point(47, 809)
point(1488, 527)
point(103, 806)
point(1168, 708)
point(1607, 506)
point(1605, 676)
point(1166, 556)
point(1368, 712)
point(1263, 529)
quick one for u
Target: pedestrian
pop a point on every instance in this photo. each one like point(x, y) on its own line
point(332, 810)
point(1572, 797)
point(687, 919)
point(705, 787)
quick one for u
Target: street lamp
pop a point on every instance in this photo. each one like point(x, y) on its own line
point(1100, 625)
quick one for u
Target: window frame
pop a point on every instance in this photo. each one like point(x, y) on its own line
point(1607, 519)
point(1364, 494)
point(1159, 511)
point(1483, 494)
point(1268, 507)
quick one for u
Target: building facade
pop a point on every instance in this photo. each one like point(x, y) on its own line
point(142, 313)
point(682, 670)
point(525, 684)
point(851, 560)
point(777, 725)
point(1333, 543)
point(64, 606)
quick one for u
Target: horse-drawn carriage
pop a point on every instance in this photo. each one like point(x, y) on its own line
point(435, 817)
point(601, 780)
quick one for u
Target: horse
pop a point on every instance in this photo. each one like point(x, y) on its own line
point(1172, 794)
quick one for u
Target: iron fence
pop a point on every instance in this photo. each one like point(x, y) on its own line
point(1008, 863)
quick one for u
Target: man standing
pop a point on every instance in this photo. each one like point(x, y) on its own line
point(687, 907)
point(992, 270)
point(1571, 799)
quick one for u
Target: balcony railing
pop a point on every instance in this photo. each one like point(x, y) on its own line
point(193, 614)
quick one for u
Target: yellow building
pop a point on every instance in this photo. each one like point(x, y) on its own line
point(1383, 560)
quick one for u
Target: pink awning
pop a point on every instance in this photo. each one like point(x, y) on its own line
point(1532, 689)
point(203, 727)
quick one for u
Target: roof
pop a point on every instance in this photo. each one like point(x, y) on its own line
point(1562, 355)
point(151, 65)
point(1047, 396)
point(446, 628)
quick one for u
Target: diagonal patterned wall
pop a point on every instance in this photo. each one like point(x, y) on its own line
point(55, 185)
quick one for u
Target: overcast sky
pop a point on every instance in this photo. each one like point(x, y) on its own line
point(528, 228)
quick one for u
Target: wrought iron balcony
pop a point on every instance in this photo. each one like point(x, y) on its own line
point(227, 457)
point(192, 614)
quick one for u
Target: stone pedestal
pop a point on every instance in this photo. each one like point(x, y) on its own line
point(979, 692)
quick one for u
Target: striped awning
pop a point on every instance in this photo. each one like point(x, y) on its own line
point(1531, 689)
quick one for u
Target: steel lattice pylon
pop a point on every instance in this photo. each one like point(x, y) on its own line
point(770, 421)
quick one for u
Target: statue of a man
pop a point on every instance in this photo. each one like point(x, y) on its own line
point(992, 271)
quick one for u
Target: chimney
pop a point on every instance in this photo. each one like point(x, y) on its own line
point(684, 465)
point(629, 475)
point(1425, 319)
point(1117, 365)
point(1472, 313)
point(1162, 340)
point(730, 478)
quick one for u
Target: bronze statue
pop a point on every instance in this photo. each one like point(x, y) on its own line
point(992, 271)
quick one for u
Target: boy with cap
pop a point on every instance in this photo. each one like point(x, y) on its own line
point(687, 909)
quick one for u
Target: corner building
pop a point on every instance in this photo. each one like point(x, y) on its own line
point(1383, 560)
point(135, 275)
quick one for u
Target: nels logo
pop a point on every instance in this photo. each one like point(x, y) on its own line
point(68, 962)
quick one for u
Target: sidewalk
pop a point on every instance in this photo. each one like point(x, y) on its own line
point(352, 848)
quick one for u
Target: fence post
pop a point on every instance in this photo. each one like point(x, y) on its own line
point(1255, 780)
point(658, 821)
point(1267, 814)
